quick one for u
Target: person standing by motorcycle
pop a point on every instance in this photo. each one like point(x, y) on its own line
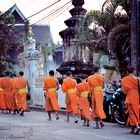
point(95, 83)
point(130, 88)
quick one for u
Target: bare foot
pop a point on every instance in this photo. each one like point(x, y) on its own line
point(84, 124)
point(76, 121)
point(96, 127)
point(88, 125)
point(101, 124)
point(49, 119)
point(57, 118)
point(67, 120)
point(137, 131)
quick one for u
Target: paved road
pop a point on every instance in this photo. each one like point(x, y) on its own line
point(35, 126)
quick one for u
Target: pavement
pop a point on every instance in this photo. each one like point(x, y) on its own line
point(35, 126)
point(42, 109)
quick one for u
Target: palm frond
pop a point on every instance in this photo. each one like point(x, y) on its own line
point(117, 30)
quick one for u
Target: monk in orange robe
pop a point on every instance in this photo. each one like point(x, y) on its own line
point(50, 86)
point(2, 98)
point(82, 91)
point(7, 87)
point(130, 88)
point(22, 88)
point(95, 83)
point(69, 87)
point(13, 97)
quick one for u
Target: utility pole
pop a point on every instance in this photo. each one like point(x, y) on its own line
point(135, 36)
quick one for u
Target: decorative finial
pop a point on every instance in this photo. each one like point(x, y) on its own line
point(34, 41)
point(30, 29)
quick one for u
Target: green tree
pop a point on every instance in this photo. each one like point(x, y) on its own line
point(8, 39)
point(6, 26)
point(117, 27)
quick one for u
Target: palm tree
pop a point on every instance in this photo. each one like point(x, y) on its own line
point(118, 41)
point(116, 24)
point(119, 45)
point(117, 29)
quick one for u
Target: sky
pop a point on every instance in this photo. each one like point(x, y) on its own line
point(56, 21)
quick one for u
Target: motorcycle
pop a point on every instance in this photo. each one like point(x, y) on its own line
point(118, 108)
point(108, 102)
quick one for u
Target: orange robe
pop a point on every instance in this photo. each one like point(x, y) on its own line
point(21, 91)
point(95, 83)
point(130, 88)
point(2, 98)
point(82, 91)
point(13, 96)
point(69, 87)
point(49, 86)
point(7, 87)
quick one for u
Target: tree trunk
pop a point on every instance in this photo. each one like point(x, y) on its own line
point(134, 35)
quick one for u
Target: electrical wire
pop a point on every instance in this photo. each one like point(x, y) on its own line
point(52, 13)
point(39, 20)
point(54, 3)
point(57, 15)
point(44, 9)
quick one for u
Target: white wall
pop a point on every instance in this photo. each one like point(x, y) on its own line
point(39, 99)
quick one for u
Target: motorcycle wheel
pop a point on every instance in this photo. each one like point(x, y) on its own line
point(119, 118)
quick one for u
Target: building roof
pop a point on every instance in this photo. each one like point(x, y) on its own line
point(15, 11)
point(42, 34)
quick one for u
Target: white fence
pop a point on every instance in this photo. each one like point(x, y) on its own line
point(39, 99)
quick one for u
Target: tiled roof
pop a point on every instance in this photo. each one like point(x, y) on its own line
point(42, 34)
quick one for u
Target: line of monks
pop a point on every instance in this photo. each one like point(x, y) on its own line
point(13, 93)
point(77, 97)
point(77, 102)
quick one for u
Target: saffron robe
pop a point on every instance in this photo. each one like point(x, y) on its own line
point(69, 87)
point(130, 88)
point(14, 94)
point(2, 98)
point(95, 83)
point(21, 91)
point(7, 87)
point(50, 85)
point(82, 91)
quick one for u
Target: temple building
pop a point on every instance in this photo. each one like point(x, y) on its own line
point(71, 50)
point(42, 33)
point(73, 53)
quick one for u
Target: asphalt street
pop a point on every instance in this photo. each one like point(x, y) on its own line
point(35, 126)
